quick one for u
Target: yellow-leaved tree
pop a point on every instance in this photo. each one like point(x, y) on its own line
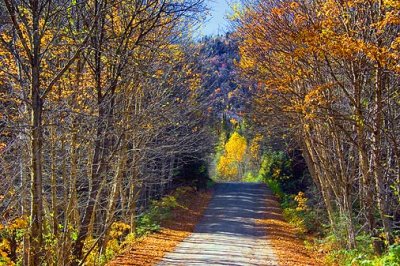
point(230, 163)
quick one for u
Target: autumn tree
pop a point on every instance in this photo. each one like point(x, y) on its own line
point(32, 38)
point(326, 71)
point(230, 164)
point(109, 99)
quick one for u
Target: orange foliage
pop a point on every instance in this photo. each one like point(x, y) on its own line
point(287, 44)
point(150, 249)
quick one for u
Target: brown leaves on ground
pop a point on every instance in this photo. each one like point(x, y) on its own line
point(290, 250)
point(150, 249)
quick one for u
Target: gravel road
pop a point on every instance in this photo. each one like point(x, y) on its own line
point(228, 234)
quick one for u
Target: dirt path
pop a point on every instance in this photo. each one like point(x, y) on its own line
point(230, 232)
point(242, 225)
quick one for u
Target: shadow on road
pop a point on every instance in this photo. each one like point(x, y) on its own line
point(228, 233)
point(242, 225)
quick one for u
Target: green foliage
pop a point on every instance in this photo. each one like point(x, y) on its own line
point(251, 177)
point(181, 191)
point(276, 172)
point(364, 256)
point(275, 165)
point(275, 187)
point(118, 235)
point(293, 217)
point(159, 210)
point(392, 257)
point(303, 218)
point(146, 224)
point(303, 213)
point(210, 183)
point(221, 142)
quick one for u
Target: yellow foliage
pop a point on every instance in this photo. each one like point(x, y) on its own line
point(301, 200)
point(233, 121)
point(255, 147)
point(236, 147)
point(119, 229)
point(283, 49)
point(4, 249)
point(19, 223)
point(226, 167)
point(235, 150)
point(2, 146)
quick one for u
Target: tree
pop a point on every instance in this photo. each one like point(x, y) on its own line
point(38, 32)
point(322, 70)
point(230, 164)
point(109, 98)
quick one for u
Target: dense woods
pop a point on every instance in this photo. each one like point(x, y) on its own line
point(327, 76)
point(106, 106)
point(100, 107)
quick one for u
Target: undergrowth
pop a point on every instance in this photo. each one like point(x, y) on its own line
point(331, 242)
point(364, 256)
point(148, 222)
point(302, 211)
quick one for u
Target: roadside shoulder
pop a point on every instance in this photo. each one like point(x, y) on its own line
point(150, 249)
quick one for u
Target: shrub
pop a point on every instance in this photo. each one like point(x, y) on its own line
point(159, 210)
point(10, 240)
point(363, 255)
point(146, 223)
point(275, 187)
point(392, 258)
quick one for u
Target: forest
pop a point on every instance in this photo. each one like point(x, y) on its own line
point(107, 107)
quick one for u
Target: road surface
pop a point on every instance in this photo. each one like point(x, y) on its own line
point(229, 233)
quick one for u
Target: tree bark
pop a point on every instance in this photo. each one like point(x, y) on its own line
point(377, 156)
point(36, 237)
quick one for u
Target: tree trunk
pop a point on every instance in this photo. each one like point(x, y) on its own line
point(347, 212)
point(97, 172)
point(376, 156)
point(54, 204)
point(322, 184)
point(122, 159)
point(36, 237)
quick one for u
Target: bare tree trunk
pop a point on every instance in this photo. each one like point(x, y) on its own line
point(122, 159)
point(325, 191)
point(347, 212)
point(134, 192)
point(54, 205)
point(377, 157)
point(36, 237)
point(98, 168)
point(36, 174)
point(366, 188)
point(25, 179)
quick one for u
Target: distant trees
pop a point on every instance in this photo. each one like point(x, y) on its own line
point(100, 107)
point(328, 73)
point(227, 94)
point(223, 87)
